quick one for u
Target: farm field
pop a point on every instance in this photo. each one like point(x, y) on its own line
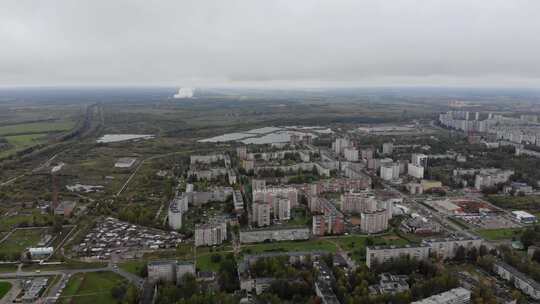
point(92, 287)
point(37, 127)
point(19, 240)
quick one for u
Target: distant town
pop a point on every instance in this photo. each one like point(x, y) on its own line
point(426, 208)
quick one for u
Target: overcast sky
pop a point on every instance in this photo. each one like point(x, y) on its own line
point(269, 42)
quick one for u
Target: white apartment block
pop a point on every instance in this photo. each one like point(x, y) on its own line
point(447, 248)
point(340, 144)
point(268, 195)
point(210, 234)
point(261, 213)
point(381, 254)
point(351, 154)
point(374, 221)
point(522, 282)
point(284, 210)
point(415, 171)
point(389, 171)
point(357, 202)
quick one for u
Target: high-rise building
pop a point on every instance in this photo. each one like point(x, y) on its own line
point(389, 171)
point(261, 213)
point(258, 184)
point(340, 144)
point(357, 202)
point(211, 233)
point(284, 209)
point(351, 154)
point(374, 221)
point(415, 171)
point(241, 152)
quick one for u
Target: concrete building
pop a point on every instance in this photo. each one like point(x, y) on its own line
point(340, 144)
point(125, 162)
point(331, 222)
point(524, 217)
point(284, 209)
point(40, 253)
point(458, 295)
point(169, 271)
point(351, 154)
point(389, 171)
point(446, 248)
point(357, 202)
point(238, 201)
point(521, 281)
point(161, 271)
point(419, 160)
point(415, 171)
point(270, 194)
point(174, 215)
point(241, 152)
point(414, 188)
point(65, 208)
point(261, 213)
point(489, 179)
point(381, 254)
point(374, 221)
point(258, 184)
point(366, 153)
point(212, 233)
point(276, 234)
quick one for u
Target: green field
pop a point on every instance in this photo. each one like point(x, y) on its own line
point(92, 287)
point(19, 240)
point(499, 234)
point(21, 142)
point(7, 222)
point(5, 287)
point(134, 267)
point(37, 127)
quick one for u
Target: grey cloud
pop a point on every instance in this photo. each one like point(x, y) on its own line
point(257, 41)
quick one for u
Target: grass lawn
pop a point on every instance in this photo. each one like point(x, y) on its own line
point(205, 263)
point(499, 234)
point(134, 267)
point(92, 287)
point(5, 287)
point(310, 245)
point(19, 240)
point(7, 222)
point(20, 142)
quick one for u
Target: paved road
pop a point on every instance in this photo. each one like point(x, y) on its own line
point(67, 273)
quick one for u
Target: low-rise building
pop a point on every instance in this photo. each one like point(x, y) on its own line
point(524, 217)
point(527, 285)
point(446, 248)
point(390, 284)
point(458, 295)
point(279, 234)
point(382, 254)
point(161, 271)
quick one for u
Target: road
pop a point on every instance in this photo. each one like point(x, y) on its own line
point(66, 274)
